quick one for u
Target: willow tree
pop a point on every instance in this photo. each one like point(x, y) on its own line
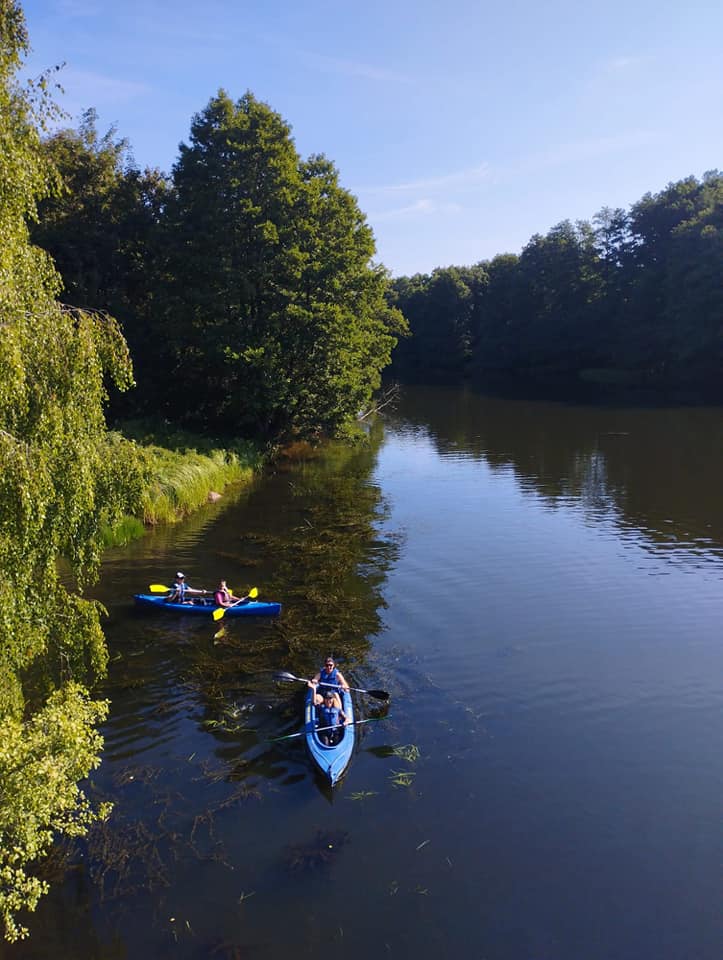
point(58, 485)
point(276, 320)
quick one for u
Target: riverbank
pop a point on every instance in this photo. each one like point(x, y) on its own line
point(176, 474)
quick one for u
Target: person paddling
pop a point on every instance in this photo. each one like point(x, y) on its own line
point(181, 592)
point(223, 596)
point(329, 715)
point(328, 678)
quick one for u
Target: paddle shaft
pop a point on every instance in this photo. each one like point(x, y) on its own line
point(302, 733)
point(378, 694)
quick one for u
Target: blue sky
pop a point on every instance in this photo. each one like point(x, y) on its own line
point(462, 127)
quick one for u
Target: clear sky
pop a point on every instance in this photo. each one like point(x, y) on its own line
point(463, 127)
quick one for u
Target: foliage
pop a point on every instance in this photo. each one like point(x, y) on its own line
point(58, 487)
point(102, 230)
point(441, 310)
point(275, 321)
point(41, 762)
point(634, 295)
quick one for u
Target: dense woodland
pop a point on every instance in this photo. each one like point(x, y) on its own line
point(635, 297)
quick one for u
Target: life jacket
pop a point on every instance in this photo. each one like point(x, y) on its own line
point(328, 678)
point(328, 716)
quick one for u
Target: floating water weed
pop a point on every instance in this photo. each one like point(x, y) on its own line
point(402, 778)
point(362, 795)
point(407, 751)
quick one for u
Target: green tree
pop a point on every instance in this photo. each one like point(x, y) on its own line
point(59, 482)
point(441, 309)
point(276, 320)
point(102, 230)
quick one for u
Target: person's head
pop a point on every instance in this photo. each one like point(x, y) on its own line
point(222, 584)
point(329, 697)
point(180, 576)
point(329, 664)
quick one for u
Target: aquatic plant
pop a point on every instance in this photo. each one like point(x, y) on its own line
point(407, 751)
point(402, 778)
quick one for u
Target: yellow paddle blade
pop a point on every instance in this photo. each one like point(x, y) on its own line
point(219, 611)
point(159, 588)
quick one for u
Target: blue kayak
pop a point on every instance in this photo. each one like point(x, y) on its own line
point(205, 606)
point(332, 761)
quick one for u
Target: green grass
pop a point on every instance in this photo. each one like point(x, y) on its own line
point(178, 471)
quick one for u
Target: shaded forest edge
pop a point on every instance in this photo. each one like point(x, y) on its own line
point(633, 299)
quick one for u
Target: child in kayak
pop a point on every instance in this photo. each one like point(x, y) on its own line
point(330, 716)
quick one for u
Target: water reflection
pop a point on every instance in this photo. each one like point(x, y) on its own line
point(653, 470)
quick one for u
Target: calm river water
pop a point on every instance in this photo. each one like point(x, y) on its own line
point(539, 587)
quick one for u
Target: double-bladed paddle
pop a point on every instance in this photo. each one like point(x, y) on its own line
point(160, 588)
point(302, 733)
point(251, 595)
point(377, 694)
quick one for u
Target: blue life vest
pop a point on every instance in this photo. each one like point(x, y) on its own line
point(325, 679)
point(328, 716)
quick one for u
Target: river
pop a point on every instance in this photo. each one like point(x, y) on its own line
point(539, 588)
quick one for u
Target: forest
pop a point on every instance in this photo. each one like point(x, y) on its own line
point(634, 298)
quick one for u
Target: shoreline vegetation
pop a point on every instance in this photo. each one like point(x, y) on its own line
point(179, 473)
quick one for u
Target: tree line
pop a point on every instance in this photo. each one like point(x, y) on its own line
point(634, 297)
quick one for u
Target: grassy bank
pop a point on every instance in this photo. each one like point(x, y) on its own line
point(176, 473)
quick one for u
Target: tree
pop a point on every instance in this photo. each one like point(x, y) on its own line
point(275, 316)
point(102, 230)
point(441, 309)
point(59, 482)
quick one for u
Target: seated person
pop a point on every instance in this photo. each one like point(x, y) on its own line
point(181, 592)
point(223, 596)
point(330, 716)
point(328, 675)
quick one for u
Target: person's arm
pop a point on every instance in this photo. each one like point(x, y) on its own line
point(314, 682)
point(342, 681)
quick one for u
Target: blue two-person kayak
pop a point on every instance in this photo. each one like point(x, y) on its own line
point(333, 760)
point(205, 606)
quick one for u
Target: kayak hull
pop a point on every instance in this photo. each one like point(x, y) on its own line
point(331, 761)
point(206, 605)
